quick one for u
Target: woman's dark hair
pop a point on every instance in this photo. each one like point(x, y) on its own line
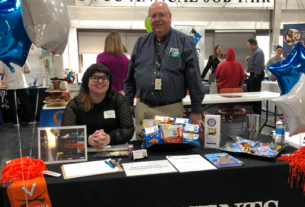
point(83, 95)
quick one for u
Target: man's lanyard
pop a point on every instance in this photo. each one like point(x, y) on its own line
point(160, 55)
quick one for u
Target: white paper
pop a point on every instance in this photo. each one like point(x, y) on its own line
point(189, 163)
point(88, 169)
point(170, 133)
point(191, 127)
point(146, 168)
point(181, 121)
point(150, 130)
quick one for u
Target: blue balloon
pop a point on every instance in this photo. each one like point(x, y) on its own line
point(289, 71)
point(14, 41)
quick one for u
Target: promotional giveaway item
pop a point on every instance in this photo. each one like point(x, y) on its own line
point(212, 131)
point(167, 130)
point(253, 147)
point(223, 160)
point(25, 184)
point(62, 144)
point(296, 167)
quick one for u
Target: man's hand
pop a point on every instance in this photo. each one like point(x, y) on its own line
point(247, 58)
point(132, 110)
point(197, 119)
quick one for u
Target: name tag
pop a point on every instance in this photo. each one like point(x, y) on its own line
point(109, 114)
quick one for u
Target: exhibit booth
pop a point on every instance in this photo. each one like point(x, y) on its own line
point(166, 163)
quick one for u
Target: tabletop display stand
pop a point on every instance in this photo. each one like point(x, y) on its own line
point(59, 96)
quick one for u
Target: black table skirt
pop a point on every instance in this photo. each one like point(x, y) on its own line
point(33, 97)
point(260, 180)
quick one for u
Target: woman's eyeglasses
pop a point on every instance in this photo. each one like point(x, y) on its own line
point(95, 78)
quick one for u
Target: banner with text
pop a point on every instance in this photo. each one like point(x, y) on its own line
point(197, 34)
point(292, 34)
point(260, 4)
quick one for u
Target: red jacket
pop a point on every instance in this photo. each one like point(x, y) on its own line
point(230, 74)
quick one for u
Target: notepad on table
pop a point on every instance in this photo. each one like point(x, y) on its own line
point(85, 169)
point(189, 163)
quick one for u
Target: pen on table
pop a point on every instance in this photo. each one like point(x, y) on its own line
point(109, 164)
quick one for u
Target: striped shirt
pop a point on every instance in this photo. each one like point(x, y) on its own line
point(179, 70)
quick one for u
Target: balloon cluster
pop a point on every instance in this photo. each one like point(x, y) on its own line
point(44, 23)
point(290, 74)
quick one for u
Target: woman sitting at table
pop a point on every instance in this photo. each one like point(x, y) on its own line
point(105, 112)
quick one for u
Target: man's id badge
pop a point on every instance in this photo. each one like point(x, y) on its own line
point(158, 83)
point(174, 52)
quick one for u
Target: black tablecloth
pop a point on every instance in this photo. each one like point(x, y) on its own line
point(261, 180)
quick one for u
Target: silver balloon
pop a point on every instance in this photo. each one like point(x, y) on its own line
point(292, 105)
point(47, 24)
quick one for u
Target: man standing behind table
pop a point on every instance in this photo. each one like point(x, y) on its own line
point(277, 58)
point(17, 81)
point(256, 66)
point(162, 67)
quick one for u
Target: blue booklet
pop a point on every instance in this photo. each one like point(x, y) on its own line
point(223, 160)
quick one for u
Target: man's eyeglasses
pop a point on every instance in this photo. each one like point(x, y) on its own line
point(95, 78)
point(154, 16)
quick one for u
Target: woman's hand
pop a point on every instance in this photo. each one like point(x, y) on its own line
point(99, 139)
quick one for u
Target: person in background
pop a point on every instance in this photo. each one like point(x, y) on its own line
point(214, 60)
point(289, 37)
point(256, 66)
point(104, 111)
point(114, 59)
point(16, 81)
point(163, 66)
point(277, 58)
point(126, 52)
point(230, 74)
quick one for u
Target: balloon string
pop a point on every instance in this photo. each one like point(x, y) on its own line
point(21, 161)
point(16, 105)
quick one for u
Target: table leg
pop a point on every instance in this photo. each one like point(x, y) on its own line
point(267, 116)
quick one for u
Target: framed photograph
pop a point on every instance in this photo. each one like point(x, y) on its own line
point(62, 144)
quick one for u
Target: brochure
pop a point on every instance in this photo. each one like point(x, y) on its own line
point(223, 160)
point(190, 163)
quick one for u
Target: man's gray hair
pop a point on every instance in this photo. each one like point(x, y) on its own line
point(167, 7)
